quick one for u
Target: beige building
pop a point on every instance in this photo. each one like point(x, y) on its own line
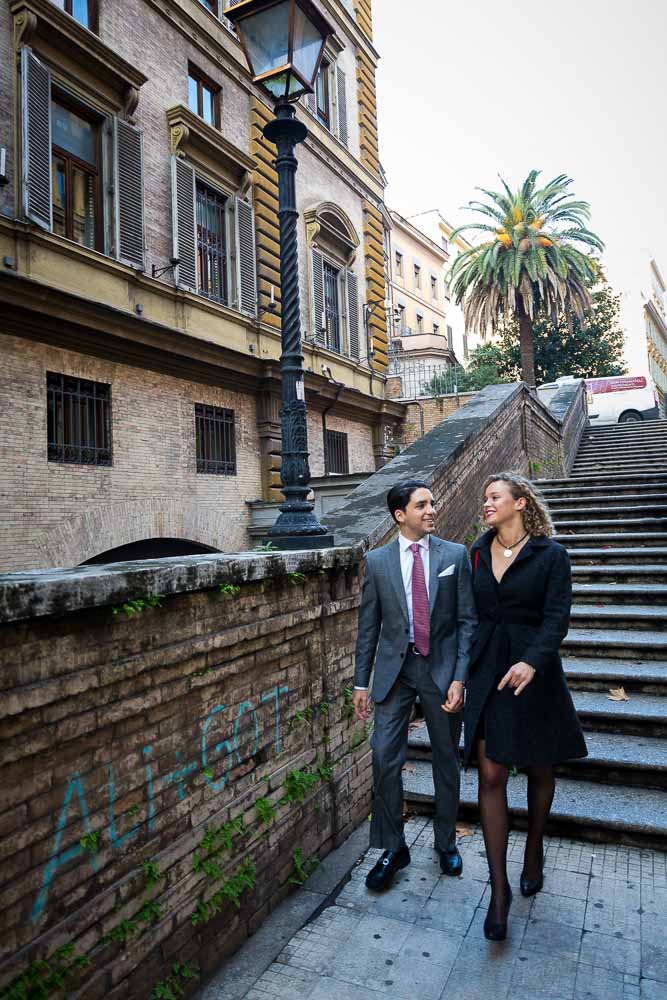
point(139, 277)
point(421, 341)
point(644, 318)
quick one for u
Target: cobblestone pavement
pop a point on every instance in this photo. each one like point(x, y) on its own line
point(597, 931)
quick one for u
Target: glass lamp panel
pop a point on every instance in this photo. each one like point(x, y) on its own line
point(74, 134)
point(279, 85)
point(295, 86)
point(266, 37)
point(308, 43)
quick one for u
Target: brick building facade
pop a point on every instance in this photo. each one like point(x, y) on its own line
point(140, 398)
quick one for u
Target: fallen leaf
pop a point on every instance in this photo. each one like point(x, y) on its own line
point(464, 830)
point(409, 767)
point(618, 694)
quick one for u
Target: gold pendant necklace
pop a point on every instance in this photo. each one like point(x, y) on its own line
point(507, 551)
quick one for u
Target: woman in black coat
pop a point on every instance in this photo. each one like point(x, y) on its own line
point(518, 709)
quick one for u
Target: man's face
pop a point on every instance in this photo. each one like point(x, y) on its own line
point(418, 518)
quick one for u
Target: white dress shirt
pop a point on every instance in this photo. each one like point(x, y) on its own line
point(407, 560)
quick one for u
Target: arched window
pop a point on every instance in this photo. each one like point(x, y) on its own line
point(334, 284)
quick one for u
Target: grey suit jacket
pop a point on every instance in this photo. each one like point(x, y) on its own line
point(383, 632)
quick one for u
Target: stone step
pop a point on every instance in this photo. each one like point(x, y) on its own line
point(624, 539)
point(616, 500)
point(631, 512)
point(609, 572)
point(638, 760)
point(642, 715)
point(615, 643)
point(573, 482)
point(640, 427)
point(656, 555)
point(622, 594)
point(630, 814)
point(635, 464)
point(613, 525)
point(619, 489)
point(643, 617)
point(597, 674)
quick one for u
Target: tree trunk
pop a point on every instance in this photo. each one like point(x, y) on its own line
point(527, 345)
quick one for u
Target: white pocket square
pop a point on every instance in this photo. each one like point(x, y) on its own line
point(448, 571)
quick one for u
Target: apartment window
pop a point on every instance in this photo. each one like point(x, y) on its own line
point(399, 264)
point(82, 11)
point(79, 420)
point(322, 94)
point(436, 328)
point(70, 187)
point(448, 293)
point(445, 244)
point(211, 245)
point(401, 316)
point(419, 323)
point(332, 306)
point(466, 352)
point(203, 97)
point(434, 287)
point(329, 101)
point(418, 276)
point(215, 440)
point(450, 338)
point(337, 461)
point(75, 174)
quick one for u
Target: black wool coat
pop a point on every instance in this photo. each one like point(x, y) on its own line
point(525, 618)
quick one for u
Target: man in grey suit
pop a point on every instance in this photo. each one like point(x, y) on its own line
point(416, 623)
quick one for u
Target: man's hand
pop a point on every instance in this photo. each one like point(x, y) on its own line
point(454, 701)
point(518, 677)
point(361, 704)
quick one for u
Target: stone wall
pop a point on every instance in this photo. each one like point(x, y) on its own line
point(160, 766)
point(177, 742)
point(423, 415)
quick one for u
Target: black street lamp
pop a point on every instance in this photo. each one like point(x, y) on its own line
point(284, 42)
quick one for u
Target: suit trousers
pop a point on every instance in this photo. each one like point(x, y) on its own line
point(389, 742)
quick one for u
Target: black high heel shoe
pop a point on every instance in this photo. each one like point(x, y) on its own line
point(494, 931)
point(531, 886)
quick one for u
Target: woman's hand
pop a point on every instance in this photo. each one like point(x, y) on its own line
point(518, 677)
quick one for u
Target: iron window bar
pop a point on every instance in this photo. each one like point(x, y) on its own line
point(79, 420)
point(216, 441)
point(337, 460)
point(211, 247)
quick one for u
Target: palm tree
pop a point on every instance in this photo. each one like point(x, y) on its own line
point(529, 265)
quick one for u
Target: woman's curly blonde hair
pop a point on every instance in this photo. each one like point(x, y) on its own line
point(536, 516)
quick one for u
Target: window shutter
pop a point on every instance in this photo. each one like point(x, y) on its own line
point(183, 221)
point(246, 259)
point(353, 314)
point(129, 170)
point(311, 101)
point(341, 96)
point(36, 139)
point(317, 268)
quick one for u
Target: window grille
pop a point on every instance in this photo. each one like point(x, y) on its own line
point(337, 461)
point(79, 420)
point(216, 442)
point(211, 246)
point(332, 306)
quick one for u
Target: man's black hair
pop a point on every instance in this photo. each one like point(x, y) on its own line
point(399, 495)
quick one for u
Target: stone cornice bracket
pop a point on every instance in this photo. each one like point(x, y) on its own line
point(48, 28)
point(179, 135)
point(25, 25)
point(130, 103)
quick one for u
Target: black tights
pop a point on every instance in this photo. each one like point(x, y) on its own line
point(495, 822)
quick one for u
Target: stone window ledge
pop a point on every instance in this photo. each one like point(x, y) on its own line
point(205, 145)
point(43, 26)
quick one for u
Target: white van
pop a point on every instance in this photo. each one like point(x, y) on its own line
point(614, 398)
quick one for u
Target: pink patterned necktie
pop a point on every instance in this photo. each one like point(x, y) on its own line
point(421, 618)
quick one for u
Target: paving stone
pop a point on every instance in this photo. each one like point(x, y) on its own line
point(560, 909)
point(543, 976)
point(551, 938)
point(613, 908)
point(598, 984)
point(650, 989)
point(611, 952)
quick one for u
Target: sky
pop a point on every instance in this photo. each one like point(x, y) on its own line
point(471, 89)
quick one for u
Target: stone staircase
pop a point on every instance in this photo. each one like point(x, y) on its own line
point(611, 514)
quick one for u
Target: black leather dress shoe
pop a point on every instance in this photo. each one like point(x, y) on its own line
point(531, 886)
point(380, 876)
point(451, 862)
point(493, 930)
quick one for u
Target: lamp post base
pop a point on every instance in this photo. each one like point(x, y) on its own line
point(292, 542)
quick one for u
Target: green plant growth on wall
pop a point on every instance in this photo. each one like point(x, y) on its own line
point(136, 606)
point(46, 977)
point(170, 988)
point(302, 870)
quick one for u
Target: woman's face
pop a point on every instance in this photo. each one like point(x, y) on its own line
point(500, 507)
